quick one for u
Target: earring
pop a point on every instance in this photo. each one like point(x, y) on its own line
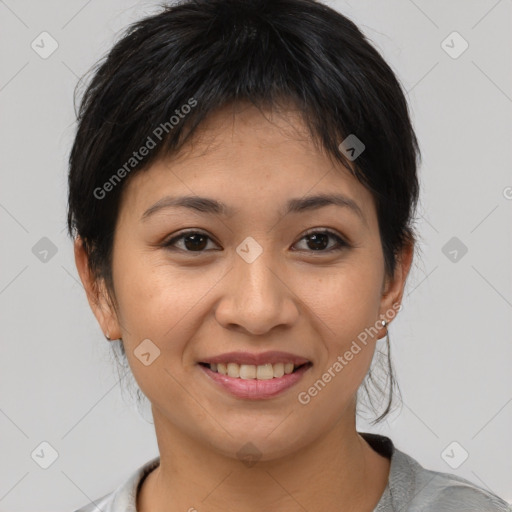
point(384, 325)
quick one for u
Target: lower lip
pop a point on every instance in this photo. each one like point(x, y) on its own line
point(254, 389)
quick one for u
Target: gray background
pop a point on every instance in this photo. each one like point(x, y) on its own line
point(451, 341)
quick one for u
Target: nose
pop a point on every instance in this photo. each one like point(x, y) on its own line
point(257, 297)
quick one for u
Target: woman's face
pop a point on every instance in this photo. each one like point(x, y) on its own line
point(249, 281)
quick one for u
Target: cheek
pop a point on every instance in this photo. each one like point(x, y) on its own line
point(160, 302)
point(345, 307)
point(346, 301)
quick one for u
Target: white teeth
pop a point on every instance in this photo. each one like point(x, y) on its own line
point(278, 369)
point(288, 368)
point(233, 370)
point(250, 371)
point(265, 372)
point(247, 371)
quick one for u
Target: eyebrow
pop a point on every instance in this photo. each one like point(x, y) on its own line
point(296, 205)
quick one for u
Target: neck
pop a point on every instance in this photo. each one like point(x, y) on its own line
point(339, 467)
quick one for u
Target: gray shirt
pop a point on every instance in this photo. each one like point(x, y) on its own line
point(410, 488)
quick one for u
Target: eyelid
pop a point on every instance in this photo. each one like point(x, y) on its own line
point(328, 231)
point(341, 240)
point(167, 243)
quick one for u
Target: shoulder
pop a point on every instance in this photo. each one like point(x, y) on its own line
point(426, 490)
point(104, 504)
point(124, 497)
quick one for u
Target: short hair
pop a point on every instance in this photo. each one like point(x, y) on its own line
point(206, 54)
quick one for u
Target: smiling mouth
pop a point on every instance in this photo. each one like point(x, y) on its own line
point(255, 372)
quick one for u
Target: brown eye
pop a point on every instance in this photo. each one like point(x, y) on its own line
point(192, 241)
point(318, 241)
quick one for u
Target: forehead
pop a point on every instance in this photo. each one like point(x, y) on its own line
point(244, 157)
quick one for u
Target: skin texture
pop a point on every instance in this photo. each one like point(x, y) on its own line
point(192, 305)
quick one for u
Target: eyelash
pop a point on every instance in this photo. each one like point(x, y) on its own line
point(341, 243)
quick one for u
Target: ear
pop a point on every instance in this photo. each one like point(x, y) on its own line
point(393, 287)
point(97, 294)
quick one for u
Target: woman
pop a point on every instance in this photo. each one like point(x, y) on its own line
point(241, 193)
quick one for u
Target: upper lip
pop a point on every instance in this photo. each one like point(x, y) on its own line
point(271, 357)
